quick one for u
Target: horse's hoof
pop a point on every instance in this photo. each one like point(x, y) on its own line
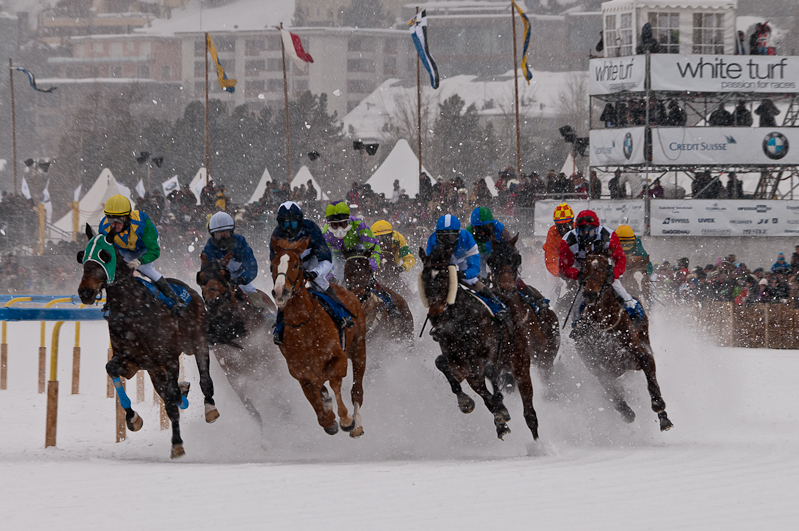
point(465, 403)
point(502, 431)
point(658, 404)
point(357, 432)
point(627, 414)
point(502, 415)
point(349, 426)
point(665, 423)
point(135, 422)
point(332, 430)
point(211, 413)
point(177, 451)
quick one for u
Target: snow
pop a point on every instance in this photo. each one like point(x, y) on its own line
point(261, 187)
point(302, 177)
point(242, 15)
point(92, 204)
point(730, 463)
point(401, 164)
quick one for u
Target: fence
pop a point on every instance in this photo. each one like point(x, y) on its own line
point(756, 326)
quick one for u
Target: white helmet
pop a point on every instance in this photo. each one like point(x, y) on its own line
point(221, 221)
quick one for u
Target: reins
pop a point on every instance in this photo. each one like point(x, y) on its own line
point(293, 284)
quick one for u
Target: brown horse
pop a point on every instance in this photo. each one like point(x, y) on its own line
point(388, 277)
point(234, 324)
point(473, 346)
point(398, 323)
point(636, 280)
point(537, 335)
point(145, 334)
point(608, 342)
point(311, 342)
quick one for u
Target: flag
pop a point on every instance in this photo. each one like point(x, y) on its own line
point(525, 69)
point(76, 196)
point(294, 49)
point(25, 190)
point(225, 83)
point(418, 28)
point(140, 188)
point(170, 185)
point(32, 80)
point(46, 192)
point(124, 190)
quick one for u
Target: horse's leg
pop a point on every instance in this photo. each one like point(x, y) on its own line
point(646, 361)
point(202, 357)
point(357, 353)
point(521, 372)
point(165, 383)
point(325, 417)
point(492, 401)
point(615, 394)
point(115, 368)
point(465, 402)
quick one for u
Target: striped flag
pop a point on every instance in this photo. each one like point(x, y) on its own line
point(418, 28)
point(32, 80)
point(525, 69)
point(226, 84)
point(294, 49)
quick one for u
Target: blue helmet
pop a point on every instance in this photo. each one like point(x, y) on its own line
point(448, 223)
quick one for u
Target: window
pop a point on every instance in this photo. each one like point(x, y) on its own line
point(300, 85)
point(143, 72)
point(254, 87)
point(115, 49)
point(144, 48)
point(389, 66)
point(666, 31)
point(199, 87)
point(166, 72)
point(273, 44)
point(199, 68)
point(626, 33)
point(359, 86)
point(708, 33)
point(115, 71)
point(254, 46)
point(611, 36)
point(361, 44)
point(274, 65)
point(74, 72)
point(360, 65)
point(274, 85)
point(97, 48)
point(224, 44)
point(390, 46)
point(199, 48)
point(253, 67)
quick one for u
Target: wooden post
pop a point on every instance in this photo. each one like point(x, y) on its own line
point(52, 414)
point(3, 365)
point(516, 94)
point(765, 321)
point(286, 107)
point(140, 386)
point(13, 122)
point(120, 416)
point(163, 415)
point(419, 107)
point(75, 370)
point(207, 132)
point(109, 392)
point(42, 361)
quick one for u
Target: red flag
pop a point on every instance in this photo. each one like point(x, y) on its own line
point(294, 49)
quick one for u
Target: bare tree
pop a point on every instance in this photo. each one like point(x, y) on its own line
point(572, 103)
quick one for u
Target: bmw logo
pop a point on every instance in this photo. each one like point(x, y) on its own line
point(775, 146)
point(628, 146)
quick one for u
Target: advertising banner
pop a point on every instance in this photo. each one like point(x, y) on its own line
point(616, 147)
point(724, 73)
point(611, 213)
point(606, 76)
point(724, 145)
point(700, 217)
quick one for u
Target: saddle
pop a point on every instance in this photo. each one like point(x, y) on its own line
point(180, 291)
point(490, 305)
point(337, 312)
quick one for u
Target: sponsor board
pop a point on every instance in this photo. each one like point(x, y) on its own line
point(617, 147)
point(724, 218)
point(611, 213)
point(606, 76)
point(724, 145)
point(724, 73)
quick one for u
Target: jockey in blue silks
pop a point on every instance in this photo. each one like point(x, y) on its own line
point(465, 255)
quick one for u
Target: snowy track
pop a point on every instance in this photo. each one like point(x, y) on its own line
point(731, 462)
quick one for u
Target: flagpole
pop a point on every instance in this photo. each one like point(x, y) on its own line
point(207, 134)
point(516, 92)
point(13, 122)
point(419, 107)
point(286, 106)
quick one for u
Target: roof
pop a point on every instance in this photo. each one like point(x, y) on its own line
point(244, 15)
point(678, 4)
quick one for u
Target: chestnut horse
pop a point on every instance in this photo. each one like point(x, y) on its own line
point(636, 280)
point(608, 342)
point(145, 334)
point(233, 326)
point(537, 335)
point(311, 343)
point(473, 346)
point(361, 282)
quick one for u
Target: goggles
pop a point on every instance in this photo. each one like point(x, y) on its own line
point(289, 224)
point(116, 219)
point(222, 234)
point(339, 224)
point(448, 237)
point(586, 232)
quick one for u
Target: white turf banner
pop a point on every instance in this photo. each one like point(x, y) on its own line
point(724, 73)
point(724, 145)
point(611, 213)
point(606, 76)
point(617, 147)
point(701, 217)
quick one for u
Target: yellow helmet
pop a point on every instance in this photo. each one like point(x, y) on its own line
point(117, 205)
point(563, 214)
point(382, 227)
point(626, 237)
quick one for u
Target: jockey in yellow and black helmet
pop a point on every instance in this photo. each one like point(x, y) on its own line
point(136, 238)
point(393, 242)
point(632, 246)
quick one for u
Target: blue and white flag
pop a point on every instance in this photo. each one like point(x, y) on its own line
point(140, 188)
point(46, 192)
point(32, 80)
point(418, 28)
point(26, 191)
point(170, 185)
point(525, 69)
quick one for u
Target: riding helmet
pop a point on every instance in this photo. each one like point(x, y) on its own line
point(337, 211)
point(448, 223)
point(382, 227)
point(586, 225)
point(289, 218)
point(481, 216)
point(117, 205)
point(221, 221)
point(563, 214)
point(626, 237)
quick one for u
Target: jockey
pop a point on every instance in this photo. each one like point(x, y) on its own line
point(564, 222)
point(136, 238)
point(464, 254)
point(632, 246)
point(242, 266)
point(345, 232)
point(587, 235)
point(316, 259)
point(393, 242)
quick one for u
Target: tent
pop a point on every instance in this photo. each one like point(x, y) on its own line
point(569, 167)
point(261, 187)
point(302, 177)
point(92, 204)
point(401, 164)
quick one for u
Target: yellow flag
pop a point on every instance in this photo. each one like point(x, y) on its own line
point(225, 83)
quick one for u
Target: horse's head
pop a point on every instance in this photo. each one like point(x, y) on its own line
point(504, 262)
point(102, 265)
point(214, 279)
point(357, 272)
point(438, 282)
point(287, 272)
point(597, 274)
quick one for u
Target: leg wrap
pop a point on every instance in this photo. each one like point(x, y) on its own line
point(124, 401)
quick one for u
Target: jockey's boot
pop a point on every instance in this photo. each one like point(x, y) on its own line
point(534, 299)
point(277, 334)
point(635, 311)
point(346, 321)
point(503, 314)
point(391, 306)
point(169, 293)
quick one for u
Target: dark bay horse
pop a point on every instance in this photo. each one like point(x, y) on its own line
point(237, 331)
point(473, 346)
point(537, 335)
point(608, 342)
point(145, 334)
point(388, 277)
point(311, 343)
point(361, 282)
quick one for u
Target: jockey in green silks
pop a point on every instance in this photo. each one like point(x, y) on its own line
point(344, 232)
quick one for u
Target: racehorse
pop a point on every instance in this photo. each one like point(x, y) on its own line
point(361, 282)
point(608, 342)
point(311, 342)
point(387, 276)
point(473, 347)
point(145, 335)
point(636, 280)
point(233, 326)
point(537, 335)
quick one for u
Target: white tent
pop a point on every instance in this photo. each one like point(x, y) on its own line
point(401, 164)
point(198, 183)
point(302, 177)
point(261, 187)
point(569, 167)
point(92, 204)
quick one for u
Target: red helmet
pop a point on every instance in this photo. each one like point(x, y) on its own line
point(587, 218)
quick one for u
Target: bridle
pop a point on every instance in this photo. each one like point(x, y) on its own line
point(300, 272)
point(370, 285)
